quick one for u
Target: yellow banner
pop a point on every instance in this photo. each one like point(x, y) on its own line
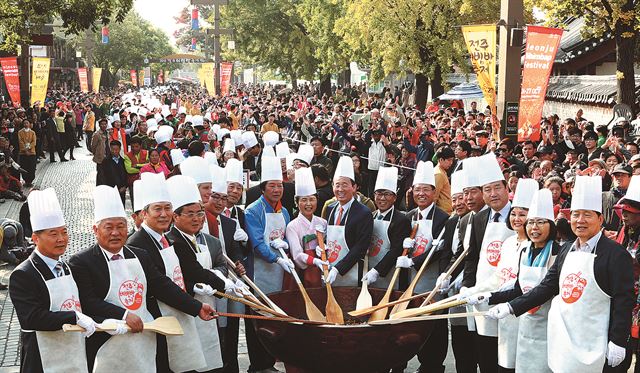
point(141, 78)
point(39, 79)
point(209, 77)
point(481, 44)
point(201, 76)
point(96, 74)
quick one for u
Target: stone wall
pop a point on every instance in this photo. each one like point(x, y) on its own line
point(596, 114)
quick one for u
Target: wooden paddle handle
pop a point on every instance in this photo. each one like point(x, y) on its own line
point(293, 271)
point(259, 317)
point(414, 231)
point(320, 237)
point(448, 273)
point(249, 303)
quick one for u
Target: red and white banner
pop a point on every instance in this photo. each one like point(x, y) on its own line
point(11, 78)
point(84, 80)
point(225, 77)
point(540, 52)
point(134, 77)
point(160, 78)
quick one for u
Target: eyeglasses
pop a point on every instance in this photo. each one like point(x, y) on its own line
point(537, 223)
point(385, 195)
point(218, 197)
point(191, 215)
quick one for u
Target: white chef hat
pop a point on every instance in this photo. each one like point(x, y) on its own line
point(229, 146)
point(234, 171)
point(282, 150)
point(157, 116)
point(587, 193)
point(305, 153)
point(305, 186)
point(633, 191)
point(249, 139)
point(163, 134)
point(268, 151)
point(424, 174)
point(472, 172)
point(182, 110)
point(196, 120)
point(151, 122)
point(153, 188)
point(271, 169)
point(138, 200)
point(107, 203)
point(218, 177)
point(45, 210)
point(270, 138)
point(222, 132)
point(387, 179)
point(458, 181)
point(289, 160)
point(196, 168)
point(174, 106)
point(176, 156)
point(541, 205)
point(490, 169)
point(166, 112)
point(524, 193)
point(183, 191)
point(236, 136)
point(344, 168)
point(211, 158)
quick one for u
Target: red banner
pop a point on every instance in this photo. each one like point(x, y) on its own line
point(540, 52)
point(134, 77)
point(11, 78)
point(160, 79)
point(84, 81)
point(225, 77)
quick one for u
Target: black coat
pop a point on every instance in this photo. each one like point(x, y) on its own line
point(438, 219)
point(358, 231)
point(114, 174)
point(325, 193)
point(30, 299)
point(399, 229)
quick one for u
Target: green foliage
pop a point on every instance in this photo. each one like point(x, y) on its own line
point(184, 34)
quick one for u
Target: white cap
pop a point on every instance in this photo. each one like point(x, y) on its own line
point(153, 188)
point(107, 203)
point(137, 196)
point(196, 168)
point(234, 171)
point(345, 168)
point(249, 139)
point(163, 134)
point(489, 169)
point(176, 156)
point(196, 120)
point(218, 178)
point(270, 138)
point(271, 169)
point(236, 136)
point(305, 153)
point(387, 179)
point(151, 122)
point(229, 146)
point(282, 150)
point(182, 110)
point(587, 193)
point(424, 174)
point(210, 158)
point(268, 151)
point(633, 192)
point(541, 205)
point(216, 129)
point(472, 173)
point(183, 191)
point(458, 181)
point(305, 186)
point(289, 160)
point(174, 105)
point(524, 193)
point(222, 132)
point(157, 116)
point(165, 111)
point(45, 210)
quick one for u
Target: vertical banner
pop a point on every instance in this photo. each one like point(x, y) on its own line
point(193, 44)
point(147, 76)
point(105, 35)
point(84, 79)
point(195, 24)
point(11, 78)
point(201, 77)
point(540, 52)
point(161, 77)
point(481, 44)
point(39, 79)
point(96, 74)
point(209, 77)
point(134, 77)
point(141, 78)
point(225, 77)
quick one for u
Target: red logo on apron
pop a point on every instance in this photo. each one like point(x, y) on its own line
point(572, 287)
point(493, 252)
point(71, 304)
point(130, 294)
point(421, 245)
point(507, 274)
point(276, 234)
point(525, 290)
point(333, 251)
point(376, 245)
point(177, 277)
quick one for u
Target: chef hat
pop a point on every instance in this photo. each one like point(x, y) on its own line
point(305, 154)
point(45, 210)
point(107, 203)
point(177, 157)
point(151, 122)
point(211, 158)
point(387, 179)
point(587, 193)
point(289, 160)
point(344, 168)
point(183, 191)
point(271, 169)
point(216, 129)
point(163, 134)
point(524, 193)
point(137, 196)
point(305, 186)
point(424, 174)
point(153, 188)
point(489, 169)
point(268, 152)
point(236, 136)
point(182, 110)
point(234, 171)
point(196, 168)
point(458, 181)
point(541, 204)
point(165, 112)
point(282, 150)
point(472, 172)
point(157, 116)
point(249, 139)
point(270, 138)
point(222, 132)
point(142, 111)
point(196, 120)
point(633, 191)
point(229, 146)
point(218, 178)
point(174, 106)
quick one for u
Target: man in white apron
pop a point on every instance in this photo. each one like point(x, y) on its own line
point(591, 284)
point(45, 295)
point(349, 228)
point(184, 352)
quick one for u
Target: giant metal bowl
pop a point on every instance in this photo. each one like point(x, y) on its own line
point(340, 348)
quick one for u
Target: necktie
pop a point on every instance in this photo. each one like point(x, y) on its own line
point(227, 213)
point(116, 257)
point(380, 217)
point(496, 217)
point(339, 218)
point(195, 244)
point(58, 269)
point(420, 217)
point(164, 242)
point(216, 229)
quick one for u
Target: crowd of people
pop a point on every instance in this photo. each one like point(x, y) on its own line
point(547, 232)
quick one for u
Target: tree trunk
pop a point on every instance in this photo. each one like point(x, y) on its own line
point(294, 81)
point(325, 85)
point(625, 36)
point(437, 88)
point(25, 75)
point(422, 90)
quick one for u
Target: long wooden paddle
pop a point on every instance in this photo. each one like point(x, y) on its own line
point(313, 313)
point(166, 325)
point(364, 298)
point(259, 317)
point(430, 317)
point(256, 306)
point(246, 292)
point(423, 310)
point(381, 314)
point(332, 309)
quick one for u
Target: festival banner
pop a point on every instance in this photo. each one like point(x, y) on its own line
point(141, 78)
point(134, 77)
point(225, 77)
point(39, 79)
point(9, 67)
point(160, 78)
point(96, 74)
point(84, 79)
point(481, 44)
point(147, 76)
point(209, 77)
point(105, 35)
point(540, 52)
point(195, 24)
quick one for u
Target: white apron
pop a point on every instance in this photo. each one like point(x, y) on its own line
point(61, 352)
point(337, 249)
point(185, 351)
point(578, 325)
point(424, 235)
point(494, 236)
point(131, 352)
point(457, 321)
point(269, 276)
point(531, 355)
point(379, 247)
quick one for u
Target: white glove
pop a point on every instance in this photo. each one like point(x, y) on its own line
point(121, 326)
point(456, 284)
point(238, 287)
point(615, 354)
point(371, 276)
point(408, 243)
point(318, 252)
point(498, 312)
point(240, 235)
point(333, 274)
point(404, 262)
point(203, 289)
point(286, 264)
point(478, 298)
point(443, 282)
point(87, 323)
point(320, 263)
point(279, 244)
point(509, 285)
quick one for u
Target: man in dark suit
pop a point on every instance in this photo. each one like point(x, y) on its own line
point(113, 171)
point(53, 138)
point(323, 186)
